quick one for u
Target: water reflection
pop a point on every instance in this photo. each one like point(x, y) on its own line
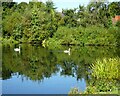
point(37, 63)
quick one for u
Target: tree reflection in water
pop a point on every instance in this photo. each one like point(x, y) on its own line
point(36, 63)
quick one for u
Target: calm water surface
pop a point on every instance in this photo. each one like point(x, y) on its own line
point(39, 70)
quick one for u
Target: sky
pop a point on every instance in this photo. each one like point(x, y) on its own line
point(65, 4)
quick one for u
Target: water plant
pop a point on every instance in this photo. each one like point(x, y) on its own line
point(73, 91)
point(104, 77)
point(106, 68)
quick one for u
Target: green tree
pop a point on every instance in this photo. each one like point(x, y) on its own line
point(10, 23)
point(70, 17)
point(114, 8)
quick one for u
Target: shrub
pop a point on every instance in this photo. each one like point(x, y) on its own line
point(118, 24)
point(91, 35)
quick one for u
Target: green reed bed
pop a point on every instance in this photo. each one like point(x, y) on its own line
point(104, 77)
point(106, 68)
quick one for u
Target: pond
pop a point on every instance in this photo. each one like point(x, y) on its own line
point(38, 70)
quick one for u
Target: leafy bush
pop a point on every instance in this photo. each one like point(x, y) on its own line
point(118, 24)
point(92, 35)
point(65, 35)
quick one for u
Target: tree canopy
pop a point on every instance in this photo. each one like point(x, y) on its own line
point(38, 21)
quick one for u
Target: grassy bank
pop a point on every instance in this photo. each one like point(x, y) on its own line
point(104, 78)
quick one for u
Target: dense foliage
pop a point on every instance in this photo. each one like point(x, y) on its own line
point(84, 36)
point(36, 22)
point(28, 22)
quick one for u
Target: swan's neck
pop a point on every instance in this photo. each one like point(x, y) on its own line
point(69, 49)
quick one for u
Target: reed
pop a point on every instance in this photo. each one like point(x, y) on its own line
point(106, 68)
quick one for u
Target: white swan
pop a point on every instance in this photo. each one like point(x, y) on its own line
point(17, 49)
point(67, 51)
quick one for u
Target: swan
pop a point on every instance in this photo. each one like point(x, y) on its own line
point(67, 51)
point(17, 49)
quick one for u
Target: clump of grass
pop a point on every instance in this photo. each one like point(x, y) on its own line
point(89, 90)
point(104, 77)
point(106, 68)
point(73, 91)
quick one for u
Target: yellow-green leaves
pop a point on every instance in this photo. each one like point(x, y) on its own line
point(106, 68)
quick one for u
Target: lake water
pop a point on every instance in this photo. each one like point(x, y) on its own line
point(38, 70)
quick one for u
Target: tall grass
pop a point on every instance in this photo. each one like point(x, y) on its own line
point(104, 77)
point(106, 68)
